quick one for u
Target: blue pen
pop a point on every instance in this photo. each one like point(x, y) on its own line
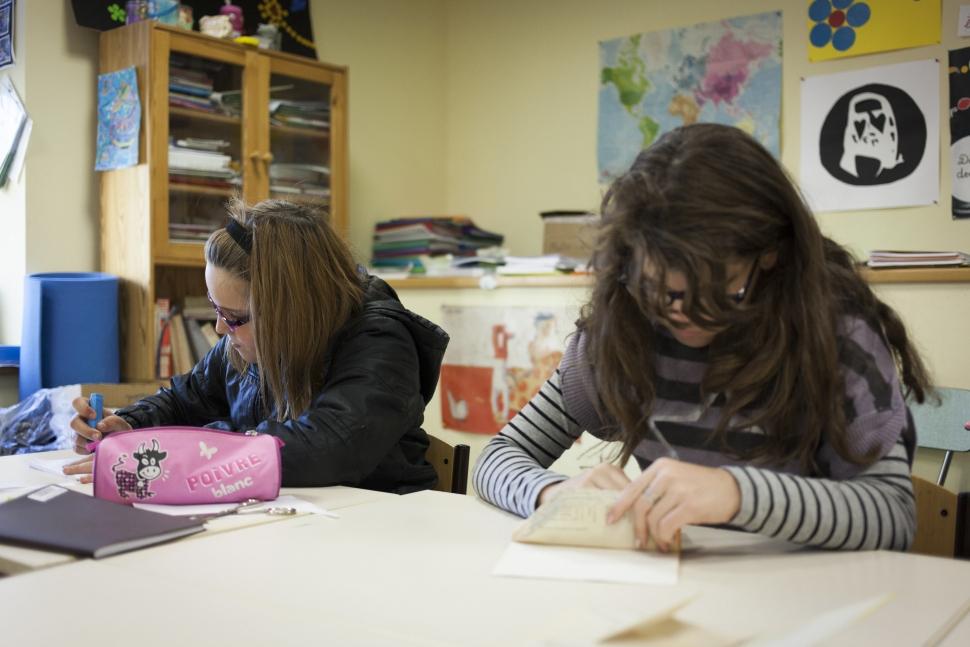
point(97, 403)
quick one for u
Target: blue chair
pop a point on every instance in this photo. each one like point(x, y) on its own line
point(943, 426)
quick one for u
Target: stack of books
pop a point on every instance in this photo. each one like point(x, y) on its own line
point(886, 258)
point(184, 335)
point(301, 114)
point(190, 88)
point(408, 243)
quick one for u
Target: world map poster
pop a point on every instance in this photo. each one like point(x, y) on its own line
point(726, 72)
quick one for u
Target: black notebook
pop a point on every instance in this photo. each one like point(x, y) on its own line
point(65, 521)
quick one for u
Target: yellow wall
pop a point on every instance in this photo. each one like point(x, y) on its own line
point(398, 119)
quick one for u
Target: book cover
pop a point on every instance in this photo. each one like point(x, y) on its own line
point(62, 520)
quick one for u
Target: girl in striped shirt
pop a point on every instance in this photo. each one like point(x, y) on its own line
point(736, 354)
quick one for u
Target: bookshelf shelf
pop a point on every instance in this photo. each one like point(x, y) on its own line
point(200, 115)
point(201, 190)
point(294, 131)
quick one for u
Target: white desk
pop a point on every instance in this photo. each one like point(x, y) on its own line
point(415, 570)
point(16, 469)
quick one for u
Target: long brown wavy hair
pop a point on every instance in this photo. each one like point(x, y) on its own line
point(304, 286)
point(700, 197)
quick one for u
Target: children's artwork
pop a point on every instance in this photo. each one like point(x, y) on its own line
point(497, 360)
point(6, 33)
point(840, 28)
point(726, 72)
point(870, 138)
point(960, 131)
point(119, 120)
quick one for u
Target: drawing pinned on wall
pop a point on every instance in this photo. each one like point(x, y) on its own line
point(841, 28)
point(959, 70)
point(726, 72)
point(497, 360)
point(119, 120)
point(870, 138)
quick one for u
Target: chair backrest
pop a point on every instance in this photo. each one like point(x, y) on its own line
point(936, 519)
point(941, 427)
point(451, 464)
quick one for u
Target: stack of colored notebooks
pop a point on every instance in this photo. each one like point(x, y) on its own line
point(407, 243)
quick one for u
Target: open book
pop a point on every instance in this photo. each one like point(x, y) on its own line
point(55, 518)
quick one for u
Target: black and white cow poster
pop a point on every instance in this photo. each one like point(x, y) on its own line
point(871, 138)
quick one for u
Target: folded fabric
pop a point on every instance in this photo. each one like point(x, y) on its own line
point(578, 518)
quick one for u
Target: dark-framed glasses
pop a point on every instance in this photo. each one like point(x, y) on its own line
point(738, 297)
point(231, 322)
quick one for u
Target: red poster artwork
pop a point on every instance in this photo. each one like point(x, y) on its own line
point(497, 360)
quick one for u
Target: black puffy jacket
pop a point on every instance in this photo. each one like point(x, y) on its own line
point(363, 427)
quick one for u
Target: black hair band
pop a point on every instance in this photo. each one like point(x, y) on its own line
point(240, 234)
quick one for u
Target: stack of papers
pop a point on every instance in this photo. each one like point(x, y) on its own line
point(15, 127)
point(302, 114)
point(885, 258)
point(546, 264)
point(301, 179)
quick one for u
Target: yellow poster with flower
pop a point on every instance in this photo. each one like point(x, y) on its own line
point(840, 28)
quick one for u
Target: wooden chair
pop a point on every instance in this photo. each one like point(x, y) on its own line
point(451, 464)
point(942, 521)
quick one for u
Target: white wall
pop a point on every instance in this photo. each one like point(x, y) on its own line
point(50, 218)
point(13, 210)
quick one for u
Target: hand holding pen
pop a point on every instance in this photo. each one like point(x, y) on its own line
point(89, 425)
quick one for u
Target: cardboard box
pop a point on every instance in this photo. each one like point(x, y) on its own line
point(121, 395)
point(569, 234)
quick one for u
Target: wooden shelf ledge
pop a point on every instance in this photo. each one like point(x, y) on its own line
point(917, 275)
point(881, 276)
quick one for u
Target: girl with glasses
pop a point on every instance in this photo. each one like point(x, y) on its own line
point(314, 351)
point(736, 354)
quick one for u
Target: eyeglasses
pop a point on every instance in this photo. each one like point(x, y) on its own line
point(231, 323)
point(738, 297)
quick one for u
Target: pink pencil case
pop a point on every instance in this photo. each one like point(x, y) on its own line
point(186, 465)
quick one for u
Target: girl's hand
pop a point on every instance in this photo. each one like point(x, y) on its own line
point(605, 476)
point(83, 434)
point(671, 494)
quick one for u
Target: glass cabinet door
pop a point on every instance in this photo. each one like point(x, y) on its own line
point(300, 163)
point(205, 148)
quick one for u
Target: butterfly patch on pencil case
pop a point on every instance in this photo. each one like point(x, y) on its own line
point(186, 465)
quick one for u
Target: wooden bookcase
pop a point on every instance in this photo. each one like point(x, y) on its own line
point(147, 209)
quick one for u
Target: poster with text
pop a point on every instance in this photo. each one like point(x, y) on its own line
point(725, 72)
point(870, 138)
point(960, 131)
point(497, 360)
point(840, 28)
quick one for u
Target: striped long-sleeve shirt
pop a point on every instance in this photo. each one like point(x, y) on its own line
point(842, 507)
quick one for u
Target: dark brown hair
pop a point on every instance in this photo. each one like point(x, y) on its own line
point(701, 196)
point(304, 286)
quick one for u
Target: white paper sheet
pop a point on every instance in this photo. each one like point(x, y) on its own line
point(55, 465)
point(588, 564)
point(300, 505)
